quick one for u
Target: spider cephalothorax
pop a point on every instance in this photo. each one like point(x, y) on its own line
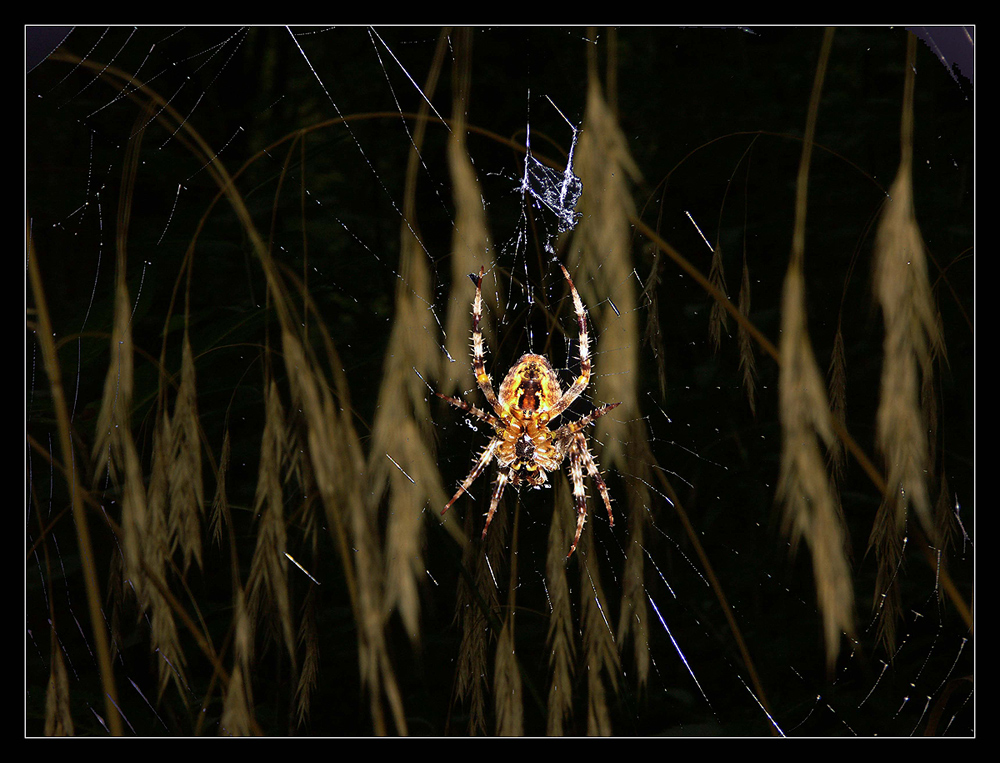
point(530, 397)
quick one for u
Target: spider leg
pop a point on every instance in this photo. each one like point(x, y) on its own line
point(594, 472)
point(570, 429)
point(502, 478)
point(478, 353)
point(484, 459)
point(479, 413)
point(584, 378)
point(579, 494)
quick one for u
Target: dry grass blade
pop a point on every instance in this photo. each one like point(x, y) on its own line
point(911, 337)
point(145, 536)
point(838, 401)
point(471, 246)
point(309, 639)
point(116, 403)
point(633, 617)
point(811, 510)
point(473, 604)
point(58, 720)
point(562, 648)
point(52, 371)
point(507, 685)
point(810, 506)
point(401, 458)
point(114, 450)
point(717, 322)
point(339, 469)
point(603, 239)
point(267, 583)
point(652, 335)
point(887, 600)
point(599, 649)
point(155, 555)
point(187, 502)
point(237, 704)
point(220, 505)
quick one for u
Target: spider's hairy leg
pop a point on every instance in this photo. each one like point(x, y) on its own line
point(479, 413)
point(583, 379)
point(576, 426)
point(579, 494)
point(484, 459)
point(580, 457)
point(502, 478)
point(594, 472)
point(478, 353)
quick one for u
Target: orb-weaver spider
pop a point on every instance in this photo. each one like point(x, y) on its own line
point(530, 398)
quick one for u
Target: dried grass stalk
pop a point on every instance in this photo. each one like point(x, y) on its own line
point(599, 649)
point(888, 599)
point(811, 509)
point(220, 504)
point(471, 246)
point(309, 640)
point(507, 689)
point(267, 583)
point(838, 402)
point(401, 459)
point(237, 704)
point(748, 363)
point(717, 320)
point(603, 243)
point(633, 618)
point(911, 338)
point(652, 336)
point(145, 537)
point(562, 648)
point(473, 608)
point(156, 552)
point(335, 455)
point(58, 719)
point(187, 502)
point(116, 402)
point(603, 240)
point(402, 430)
point(114, 450)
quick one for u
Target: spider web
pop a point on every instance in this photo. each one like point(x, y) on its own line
point(316, 127)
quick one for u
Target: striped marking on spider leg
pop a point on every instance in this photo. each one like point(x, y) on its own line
point(478, 353)
point(584, 378)
point(484, 459)
point(495, 500)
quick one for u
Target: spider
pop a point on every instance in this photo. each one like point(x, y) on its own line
point(530, 397)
